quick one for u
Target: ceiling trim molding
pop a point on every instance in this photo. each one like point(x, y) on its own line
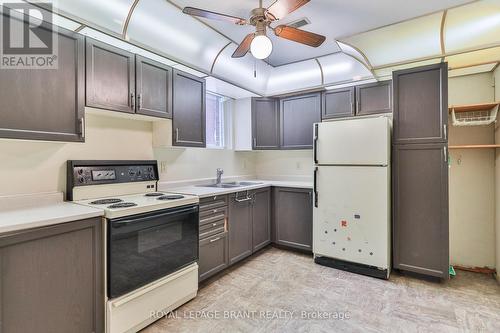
point(341, 38)
point(477, 64)
point(80, 28)
point(496, 66)
point(367, 64)
point(486, 47)
point(217, 56)
point(127, 20)
point(442, 31)
point(321, 71)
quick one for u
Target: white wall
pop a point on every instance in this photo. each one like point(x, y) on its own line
point(497, 176)
point(472, 174)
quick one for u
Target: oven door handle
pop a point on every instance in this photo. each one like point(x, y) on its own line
point(120, 223)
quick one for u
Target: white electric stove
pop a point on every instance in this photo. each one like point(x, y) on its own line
point(151, 239)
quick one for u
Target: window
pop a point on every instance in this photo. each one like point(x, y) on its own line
point(215, 118)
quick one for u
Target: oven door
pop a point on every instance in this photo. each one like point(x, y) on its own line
point(146, 247)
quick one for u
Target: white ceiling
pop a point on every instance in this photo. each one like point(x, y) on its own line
point(333, 18)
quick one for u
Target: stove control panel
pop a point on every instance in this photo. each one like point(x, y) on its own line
point(110, 174)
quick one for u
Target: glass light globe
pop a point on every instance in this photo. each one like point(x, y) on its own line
point(261, 47)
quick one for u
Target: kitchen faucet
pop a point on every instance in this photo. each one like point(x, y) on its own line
point(219, 176)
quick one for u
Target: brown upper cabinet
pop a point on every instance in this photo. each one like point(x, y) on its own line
point(421, 104)
point(265, 124)
point(154, 88)
point(338, 103)
point(46, 104)
point(374, 98)
point(297, 116)
point(110, 77)
point(188, 110)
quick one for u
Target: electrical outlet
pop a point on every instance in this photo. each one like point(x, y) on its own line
point(163, 166)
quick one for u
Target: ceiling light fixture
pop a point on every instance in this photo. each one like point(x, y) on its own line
point(261, 47)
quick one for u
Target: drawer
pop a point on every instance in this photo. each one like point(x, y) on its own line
point(213, 255)
point(211, 231)
point(206, 214)
point(213, 202)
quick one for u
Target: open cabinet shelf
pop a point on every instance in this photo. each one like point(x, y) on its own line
point(474, 146)
point(473, 107)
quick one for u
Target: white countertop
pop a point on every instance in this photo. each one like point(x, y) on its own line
point(209, 191)
point(40, 216)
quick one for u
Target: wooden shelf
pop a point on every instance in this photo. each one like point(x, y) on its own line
point(474, 146)
point(473, 107)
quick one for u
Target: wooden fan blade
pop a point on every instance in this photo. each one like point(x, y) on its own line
point(280, 8)
point(299, 36)
point(244, 46)
point(213, 15)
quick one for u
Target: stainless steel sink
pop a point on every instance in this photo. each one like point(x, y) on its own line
point(231, 184)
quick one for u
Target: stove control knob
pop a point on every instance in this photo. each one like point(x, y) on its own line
point(81, 180)
point(80, 171)
point(139, 173)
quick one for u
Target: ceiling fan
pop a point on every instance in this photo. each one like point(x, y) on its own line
point(261, 18)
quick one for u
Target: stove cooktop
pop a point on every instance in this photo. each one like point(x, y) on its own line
point(118, 206)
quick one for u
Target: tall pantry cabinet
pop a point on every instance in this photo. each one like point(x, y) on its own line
point(420, 171)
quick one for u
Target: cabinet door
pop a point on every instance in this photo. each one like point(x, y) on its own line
point(265, 123)
point(55, 275)
point(338, 103)
point(261, 218)
point(420, 104)
point(374, 98)
point(110, 77)
point(154, 88)
point(188, 110)
point(46, 104)
point(297, 116)
point(213, 255)
point(239, 227)
point(293, 217)
point(420, 209)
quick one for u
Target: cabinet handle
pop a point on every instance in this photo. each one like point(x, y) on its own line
point(445, 152)
point(82, 127)
point(352, 107)
point(139, 101)
point(132, 100)
point(315, 144)
point(214, 224)
point(177, 136)
point(358, 106)
point(314, 187)
point(254, 142)
point(445, 131)
point(214, 239)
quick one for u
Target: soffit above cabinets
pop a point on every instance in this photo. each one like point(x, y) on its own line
point(332, 18)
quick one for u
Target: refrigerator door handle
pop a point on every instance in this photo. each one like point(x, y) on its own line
point(315, 144)
point(314, 187)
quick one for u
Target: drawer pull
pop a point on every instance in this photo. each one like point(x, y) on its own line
point(214, 224)
point(214, 239)
point(214, 211)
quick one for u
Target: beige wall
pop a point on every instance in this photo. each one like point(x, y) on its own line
point(472, 174)
point(291, 163)
point(34, 167)
point(497, 176)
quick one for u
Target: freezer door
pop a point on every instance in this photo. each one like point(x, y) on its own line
point(351, 215)
point(364, 141)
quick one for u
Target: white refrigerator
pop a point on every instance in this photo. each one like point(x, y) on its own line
point(352, 202)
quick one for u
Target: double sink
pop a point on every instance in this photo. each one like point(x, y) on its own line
point(231, 184)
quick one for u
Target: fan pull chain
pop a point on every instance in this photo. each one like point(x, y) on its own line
point(255, 68)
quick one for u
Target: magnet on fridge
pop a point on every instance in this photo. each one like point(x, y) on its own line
point(343, 223)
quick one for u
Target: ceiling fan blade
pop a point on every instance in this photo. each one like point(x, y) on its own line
point(213, 15)
point(280, 8)
point(244, 46)
point(299, 36)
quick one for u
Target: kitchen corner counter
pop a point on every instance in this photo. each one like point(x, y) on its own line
point(202, 192)
point(40, 216)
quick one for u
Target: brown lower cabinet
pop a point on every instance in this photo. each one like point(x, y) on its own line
point(293, 217)
point(420, 209)
point(52, 279)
